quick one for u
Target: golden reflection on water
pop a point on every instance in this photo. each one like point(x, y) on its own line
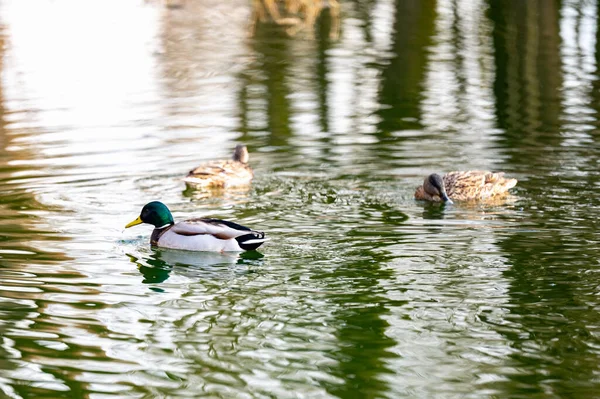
point(295, 15)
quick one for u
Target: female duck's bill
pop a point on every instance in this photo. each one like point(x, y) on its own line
point(201, 234)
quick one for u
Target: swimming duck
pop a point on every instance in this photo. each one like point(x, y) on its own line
point(196, 234)
point(470, 185)
point(223, 173)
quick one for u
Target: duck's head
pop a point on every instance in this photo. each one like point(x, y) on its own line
point(240, 154)
point(155, 213)
point(434, 185)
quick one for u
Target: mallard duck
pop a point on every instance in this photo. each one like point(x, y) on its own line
point(223, 173)
point(471, 185)
point(196, 234)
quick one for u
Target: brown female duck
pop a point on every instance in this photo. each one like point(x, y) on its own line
point(472, 185)
point(223, 173)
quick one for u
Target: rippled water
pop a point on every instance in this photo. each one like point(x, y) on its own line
point(362, 291)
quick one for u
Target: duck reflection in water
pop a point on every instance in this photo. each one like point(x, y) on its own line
point(227, 197)
point(434, 210)
point(160, 264)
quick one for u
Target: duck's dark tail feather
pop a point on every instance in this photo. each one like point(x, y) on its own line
point(251, 241)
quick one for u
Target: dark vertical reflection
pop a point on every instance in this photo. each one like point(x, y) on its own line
point(264, 102)
point(323, 42)
point(243, 107)
point(364, 8)
point(361, 333)
point(273, 61)
point(361, 326)
point(2, 128)
point(528, 79)
point(595, 94)
point(458, 49)
point(402, 79)
point(551, 325)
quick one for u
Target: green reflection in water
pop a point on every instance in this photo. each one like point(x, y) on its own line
point(402, 77)
point(528, 73)
point(550, 323)
point(363, 352)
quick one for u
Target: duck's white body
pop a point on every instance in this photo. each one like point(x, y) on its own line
point(204, 242)
point(207, 235)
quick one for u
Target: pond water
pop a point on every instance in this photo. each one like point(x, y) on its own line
point(362, 291)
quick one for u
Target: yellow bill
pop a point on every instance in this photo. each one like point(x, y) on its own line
point(134, 223)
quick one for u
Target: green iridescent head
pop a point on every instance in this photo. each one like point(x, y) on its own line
point(155, 213)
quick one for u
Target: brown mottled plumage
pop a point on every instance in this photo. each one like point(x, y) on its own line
point(223, 173)
point(472, 185)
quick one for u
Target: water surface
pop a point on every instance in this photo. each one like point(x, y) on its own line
point(362, 291)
